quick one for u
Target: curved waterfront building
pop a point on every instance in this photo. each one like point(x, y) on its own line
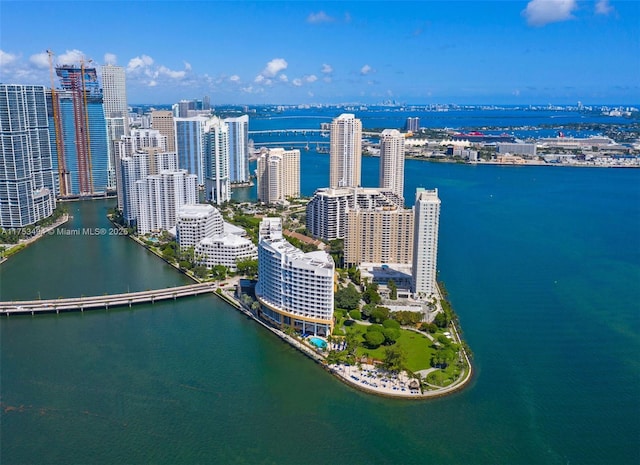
point(294, 288)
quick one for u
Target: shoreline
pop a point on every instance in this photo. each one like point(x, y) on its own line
point(24, 243)
point(342, 372)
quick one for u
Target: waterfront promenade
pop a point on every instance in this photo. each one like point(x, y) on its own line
point(103, 301)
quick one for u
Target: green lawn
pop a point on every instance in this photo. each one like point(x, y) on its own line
point(415, 345)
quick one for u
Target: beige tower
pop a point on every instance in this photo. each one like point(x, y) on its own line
point(378, 229)
point(392, 161)
point(162, 120)
point(278, 175)
point(346, 151)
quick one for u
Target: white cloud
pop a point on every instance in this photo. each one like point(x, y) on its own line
point(7, 58)
point(319, 17)
point(234, 78)
point(259, 78)
point(274, 67)
point(603, 7)
point(311, 78)
point(163, 70)
point(366, 69)
point(139, 63)
point(541, 12)
point(110, 59)
point(187, 66)
point(297, 82)
point(326, 69)
point(152, 83)
point(40, 60)
point(71, 57)
point(327, 79)
point(283, 78)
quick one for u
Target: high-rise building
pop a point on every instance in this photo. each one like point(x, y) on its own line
point(27, 185)
point(116, 113)
point(278, 175)
point(195, 222)
point(83, 133)
point(425, 242)
point(202, 227)
point(162, 120)
point(216, 162)
point(412, 124)
point(114, 92)
point(295, 289)
point(133, 168)
point(190, 141)
point(327, 210)
point(345, 151)
point(238, 149)
point(378, 229)
point(160, 196)
point(326, 214)
point(392, 161)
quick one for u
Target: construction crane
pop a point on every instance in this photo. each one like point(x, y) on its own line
point(57, 123)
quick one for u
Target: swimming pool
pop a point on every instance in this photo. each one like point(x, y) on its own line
point(319, 343)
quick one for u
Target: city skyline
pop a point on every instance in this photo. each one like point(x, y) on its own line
point(502, 52)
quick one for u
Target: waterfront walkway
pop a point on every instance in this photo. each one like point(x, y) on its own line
point(103, 301)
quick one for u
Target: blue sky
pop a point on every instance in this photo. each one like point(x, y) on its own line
point(503, 52)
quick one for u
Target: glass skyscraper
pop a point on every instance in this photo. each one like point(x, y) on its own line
point(26, 176)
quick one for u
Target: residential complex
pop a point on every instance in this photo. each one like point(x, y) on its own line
point(326, 216)
point(116, 114)
point(238, 149)
point(295, 289)
point(345, 151)
point(202, 227)
point(378, 234)
point(278, 175)
point(392, 161)
point(425, 248)
point(216, 161)
point(190, 140)
point(150, 201)
point(27, 183)
point(162, 120)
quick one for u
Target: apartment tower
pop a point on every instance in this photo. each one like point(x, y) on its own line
point(27, 182)
point(238, 149)
point(116, 112)
point(345, 151)
point(425, 242)
point(392, 161)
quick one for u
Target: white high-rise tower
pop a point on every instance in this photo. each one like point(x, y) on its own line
point(346, 151)
point(116, 112)
point(425, 242)
point(392, 161)
point(238, 148)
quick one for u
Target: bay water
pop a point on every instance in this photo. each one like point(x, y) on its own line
point(542, 265)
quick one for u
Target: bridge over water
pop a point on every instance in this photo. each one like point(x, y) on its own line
point(103, 301)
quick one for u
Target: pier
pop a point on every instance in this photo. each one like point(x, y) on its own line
point(103, 301)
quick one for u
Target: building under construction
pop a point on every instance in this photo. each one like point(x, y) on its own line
point(80, 136)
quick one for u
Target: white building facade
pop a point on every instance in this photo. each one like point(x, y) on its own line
point(238, 149)
point(295, 289)
point(345, 151)
point(425, 245)
point(216, 162)
point(392, 161)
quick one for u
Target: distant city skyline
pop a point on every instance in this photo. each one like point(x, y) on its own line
point(483, 52)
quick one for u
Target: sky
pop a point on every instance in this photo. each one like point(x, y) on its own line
point(291, 52)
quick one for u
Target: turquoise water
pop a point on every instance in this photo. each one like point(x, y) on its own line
point(542, 266)
point(319, 343)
